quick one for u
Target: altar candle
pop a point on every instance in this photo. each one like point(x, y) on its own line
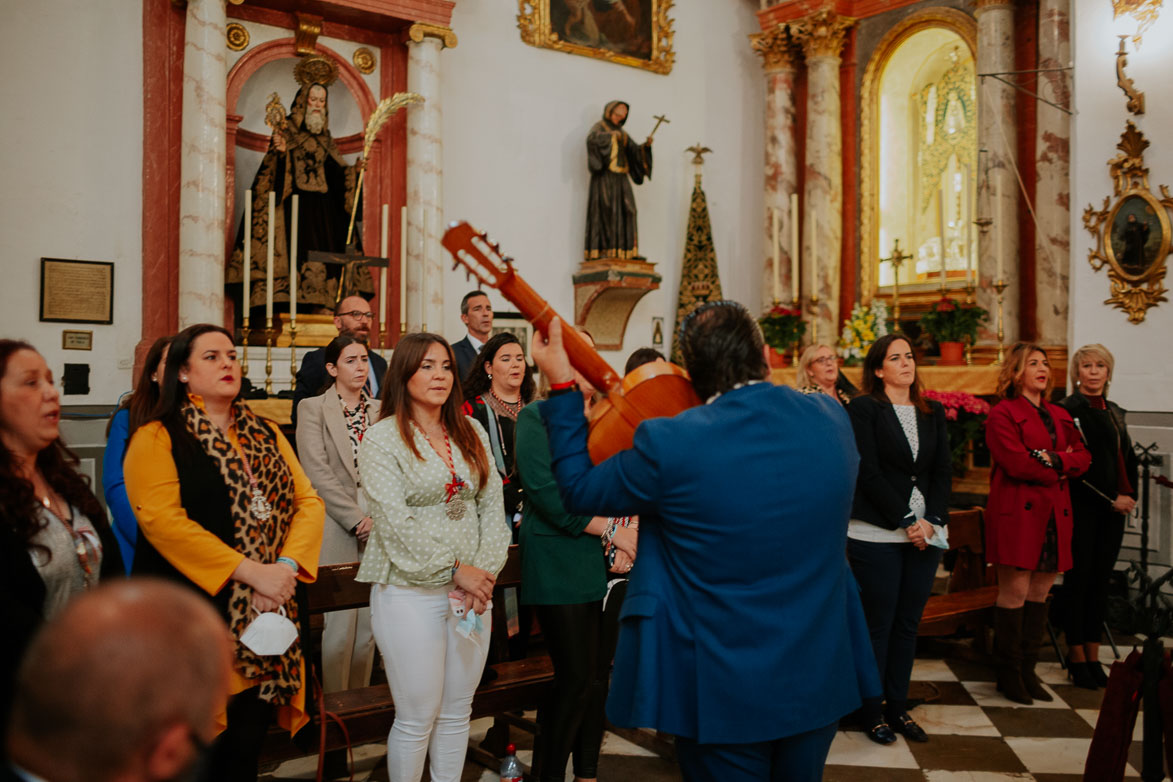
point(814, 253)
point(247, 269)
point(384, 289)
point(998, 224)
point(777, 251)
point(424, 272)
point(795, 250)
point(403, 267)
point(941, 229)
point(967, 214)
point(269, 260)
point(293, 264)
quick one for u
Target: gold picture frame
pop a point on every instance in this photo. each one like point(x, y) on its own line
point(1132, 230)
point(634, 32)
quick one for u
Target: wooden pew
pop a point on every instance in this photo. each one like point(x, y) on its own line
point(369, 711)
point(969, 598)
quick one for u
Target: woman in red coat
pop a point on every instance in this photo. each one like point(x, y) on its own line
point(1035, 449)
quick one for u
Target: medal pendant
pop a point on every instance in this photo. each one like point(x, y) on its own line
point(454, 508)
point(259, 507)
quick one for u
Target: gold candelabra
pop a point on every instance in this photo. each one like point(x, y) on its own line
point(896, 260)
point(244, 332)
point(269, 355)
point(999, 287)
point(292, 355)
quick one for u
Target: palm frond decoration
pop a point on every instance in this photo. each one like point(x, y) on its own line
point(379, 117)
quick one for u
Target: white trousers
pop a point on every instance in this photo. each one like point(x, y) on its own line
point(433, 672)
point(348, 650)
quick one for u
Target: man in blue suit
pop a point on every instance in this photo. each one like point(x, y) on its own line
point(742, 632)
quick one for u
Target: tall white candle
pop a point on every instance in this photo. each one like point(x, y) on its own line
point(384, 289)
point(777, 253)
point(967, 215)
point(795, 250)
point(941, 228)
point(814, 284)
point(269, 259)
point(423, 265)
point(403, 267)
point(293, 263)
point(998, 224)
point(246, 271)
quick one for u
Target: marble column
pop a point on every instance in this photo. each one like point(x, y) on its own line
point(1053, 192)
point(425, 179)
point(821, 36)
point(996, 135)
point(779, 63)
point(202, 165)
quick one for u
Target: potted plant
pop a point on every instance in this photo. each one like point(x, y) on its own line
point(951, 324)
point(782, 328)
point(965, 420)
point(865, 326)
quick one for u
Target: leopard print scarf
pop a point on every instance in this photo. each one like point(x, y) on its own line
point(279, 678)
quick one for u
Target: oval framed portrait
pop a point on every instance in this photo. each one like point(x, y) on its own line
point(1138, 235)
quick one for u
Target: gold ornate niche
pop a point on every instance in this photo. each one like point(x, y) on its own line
point(950, 19)
point(1124, 231)
point(535, 22)
point(775, 47)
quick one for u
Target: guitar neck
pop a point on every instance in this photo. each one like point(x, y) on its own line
point(537, 311)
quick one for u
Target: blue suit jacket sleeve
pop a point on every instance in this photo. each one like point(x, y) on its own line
point(114, 486)
point(627, 483)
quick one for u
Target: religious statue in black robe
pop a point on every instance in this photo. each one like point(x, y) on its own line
point(303, 159)
point(1136, 236)
point(615, 162)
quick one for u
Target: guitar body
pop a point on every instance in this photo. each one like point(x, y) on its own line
point(653, 390)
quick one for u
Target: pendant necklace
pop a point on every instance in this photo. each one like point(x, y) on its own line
point(258, 506)
point(513, 408)
point(454, 505)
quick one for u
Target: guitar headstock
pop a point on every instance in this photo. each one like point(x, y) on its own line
point(480, 257)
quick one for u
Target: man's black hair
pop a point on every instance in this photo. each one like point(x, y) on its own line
point(722, 347)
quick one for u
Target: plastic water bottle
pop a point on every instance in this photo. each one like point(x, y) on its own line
point(510, 765)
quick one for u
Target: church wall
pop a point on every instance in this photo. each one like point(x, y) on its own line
point(1143, 379)
point(515, 124)
point(72, 129)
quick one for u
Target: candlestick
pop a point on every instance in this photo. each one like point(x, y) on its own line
point(1000, 286)
point(293, 281)
point(292, 354)
point(795, 249)
point(244, 332)
point(897, 258)
point(777, 253)
point(269, 261)
point(998, 224)
point(968, 236)
point(941, 231)
point(814, 317)
point(246, 271)
point(384, 285)
point(814, 281)
point(269, 355)
point(403, 270)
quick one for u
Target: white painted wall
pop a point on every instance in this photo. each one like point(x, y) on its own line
point(72, 129)
point(515, 125)
point(1144, 358)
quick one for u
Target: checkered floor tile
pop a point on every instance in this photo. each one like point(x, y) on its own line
point(976, 735)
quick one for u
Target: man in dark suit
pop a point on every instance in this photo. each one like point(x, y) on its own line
point(124, 684)
point(351, 316)
point(742, 632)
point(476, 312)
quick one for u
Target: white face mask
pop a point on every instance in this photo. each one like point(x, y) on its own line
point(270, 634)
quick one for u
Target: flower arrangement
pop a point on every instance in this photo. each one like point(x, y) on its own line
point(950, 321)
point(965, 418)
point(865, 326)
point(782, 327)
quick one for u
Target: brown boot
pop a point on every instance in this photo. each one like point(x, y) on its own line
point(1008, 654)
point(1034, 624)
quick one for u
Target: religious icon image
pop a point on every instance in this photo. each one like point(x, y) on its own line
point(303, 159)
point(615, 161)
point(629, 32)
point(1136, 235)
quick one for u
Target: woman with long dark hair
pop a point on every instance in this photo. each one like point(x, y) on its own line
point(1035, 450)
point(497, 387)
point(438, 541)
point(54, 538)
point(897, 520)
point(134, 411)
point(224, 506)
point(1100, 501)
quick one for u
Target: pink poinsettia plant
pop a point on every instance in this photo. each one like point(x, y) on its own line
point(965, 416)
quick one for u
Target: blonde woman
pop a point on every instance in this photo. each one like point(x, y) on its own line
point(1099, 503)
point(818, 372)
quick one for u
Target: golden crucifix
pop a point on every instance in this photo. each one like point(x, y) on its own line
point(897, 258)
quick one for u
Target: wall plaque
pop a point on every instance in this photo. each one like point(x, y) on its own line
point(77, 291)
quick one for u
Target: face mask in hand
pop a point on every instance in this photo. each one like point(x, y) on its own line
point(270, 634)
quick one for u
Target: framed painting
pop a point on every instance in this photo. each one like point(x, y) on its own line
point(515, 324)
point(629, 32)
point(76, 291)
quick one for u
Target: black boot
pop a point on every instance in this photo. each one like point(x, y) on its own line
point(1081, 675)
point(1097, 672)
point(1008, 654)
point(1034, 624)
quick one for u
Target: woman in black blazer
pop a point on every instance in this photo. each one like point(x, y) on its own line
point(898, 517)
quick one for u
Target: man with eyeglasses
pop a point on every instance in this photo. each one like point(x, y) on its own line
point(352, 316)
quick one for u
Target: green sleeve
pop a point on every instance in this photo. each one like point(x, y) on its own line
point(537, 476)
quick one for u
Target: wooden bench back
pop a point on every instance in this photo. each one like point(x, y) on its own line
point(967, 539)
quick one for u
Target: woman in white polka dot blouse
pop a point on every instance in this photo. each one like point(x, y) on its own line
point(438, 540)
